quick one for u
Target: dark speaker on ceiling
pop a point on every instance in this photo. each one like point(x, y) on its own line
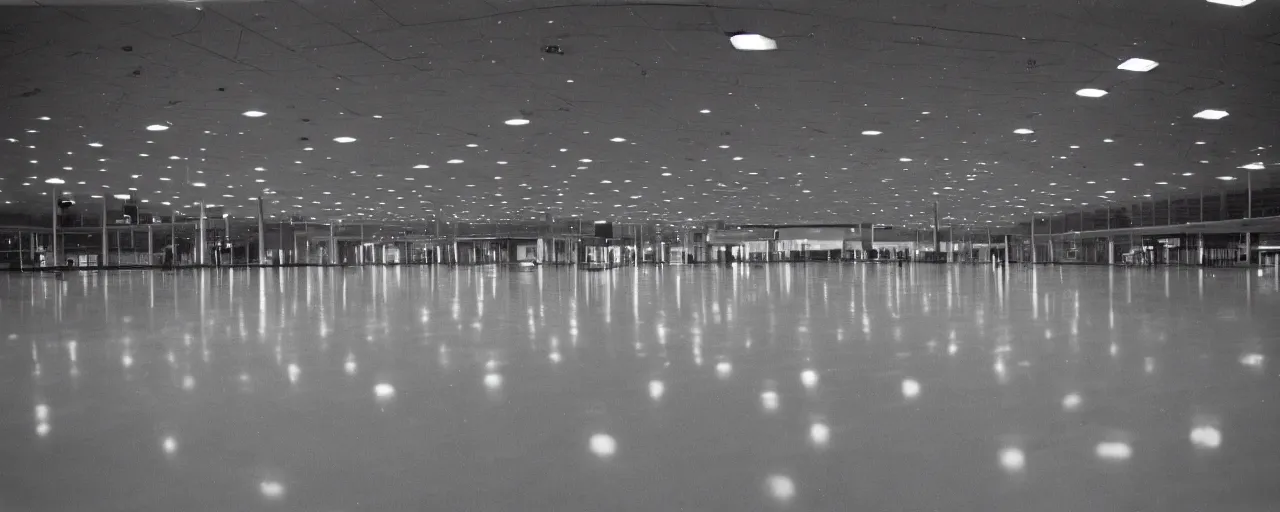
point(604, 230)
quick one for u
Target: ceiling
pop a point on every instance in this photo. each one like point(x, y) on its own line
point(649, 113)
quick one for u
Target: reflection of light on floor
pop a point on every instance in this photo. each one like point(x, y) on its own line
point(809, 378)
point(820, 434)
point(493, 380)
point(1012, 459)
point(769, 399)
point(1071, 402)
point(910, 388)
point(1252, 360)
point(1149, 365)
point(349, 366)
point(384, 391)
point(188, 382)
point(555, 357)
point(294, 371)
point(42, 429)
point(603, 445)
point(780, 487)
point(1113, 451)
point(952, 349)
point(656, 389)
point(1114, 349)
point(723, 369)
point(126, 360)
point(169, 445)
point(272, 489)
point(1206, 437)
point(42, 412)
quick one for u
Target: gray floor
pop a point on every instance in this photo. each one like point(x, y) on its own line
point(801, 387)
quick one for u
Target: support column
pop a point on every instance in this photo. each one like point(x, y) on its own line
point(1248, 251)
point(1111, 250)
point(333, 245)
point(151, 247)
point(262, 235)
point(1033, 240)
point(1248, 210)
point(951, 242)
point(360, 246)
point(103, 261)
point(53, 243)
point(936, 247)
point(1200, 249)
point(201, 246)
point(21, 258)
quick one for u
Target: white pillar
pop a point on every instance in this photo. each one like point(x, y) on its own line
point(262, 237)
point(201, 248)
point(1033, 240)
point(1111, 250)
point(151, 248)
point(53, 244)
point(103, 263)
point(333, 245)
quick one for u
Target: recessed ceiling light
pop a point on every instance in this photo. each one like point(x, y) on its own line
point(344, 140)
point(254, 113)
point(1162, 183)
point(473, 145)
point(617, 139)
point(1211, 114)
point(157, 128)
point(870, 132)
point(1139, 65)
point(197, 184)
point(1227, 178)
point(1232, 3)
point(500, 162)
point(1253, 166)
point(1139, 164)
point(752, 43)
point(736, 158)
point(1024, 131)
point(54, 181)
point(95, 144)
point(516, 122)
point(1091, 93)
point(422, 166)
point(585, 160)
point(304, 149)
point(704, 111)
point(904, 159)
point(1188, 173)
point(455, 161)
point(724, 146)
point(43, 118)
point(1108, 141)
point(1199, 143)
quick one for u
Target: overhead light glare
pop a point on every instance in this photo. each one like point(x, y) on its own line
point(254, 113)
point(1024, 131)
point(1091, 93)
point(516, 122)
point(871, 132)
point(1211, 114)
point(752, 43)
point(1227, 178)
point(54, 181)
point(1232, 3)
point(422, 166)
point(157, 128)
point(1256, 166)
point(1138, 65)
point(617, 139)
point(455, 161)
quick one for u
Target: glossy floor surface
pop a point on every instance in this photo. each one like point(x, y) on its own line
point(797, 387)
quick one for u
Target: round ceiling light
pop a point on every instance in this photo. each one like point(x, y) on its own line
point(455, 161)
point(752, 43)
point(254, 113)
point(1024, 131)
point(516, 122)
point(1091, 93)
point(54, 181)
point(157, 128)
point(871, 132)
point(344, 140)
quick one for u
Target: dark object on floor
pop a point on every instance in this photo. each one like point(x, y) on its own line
point(553, 49)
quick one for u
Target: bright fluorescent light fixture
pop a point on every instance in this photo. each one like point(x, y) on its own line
point(516, 122)
point(54, 181)
point(1227, 178)
point(753, 43)
point(344, 140)
point(95, 144)
point(1232, 3)
point(455, 161)
point(617, 139)
point(1091, 93)
point(157, 128)
point(1256, 166)
point(254, 113)
point(1211, 114)
point(122, 197)
point(871, 132)
point(1024, 131)
point(1139, 65)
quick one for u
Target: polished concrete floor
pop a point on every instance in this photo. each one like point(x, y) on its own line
point(798, 387)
